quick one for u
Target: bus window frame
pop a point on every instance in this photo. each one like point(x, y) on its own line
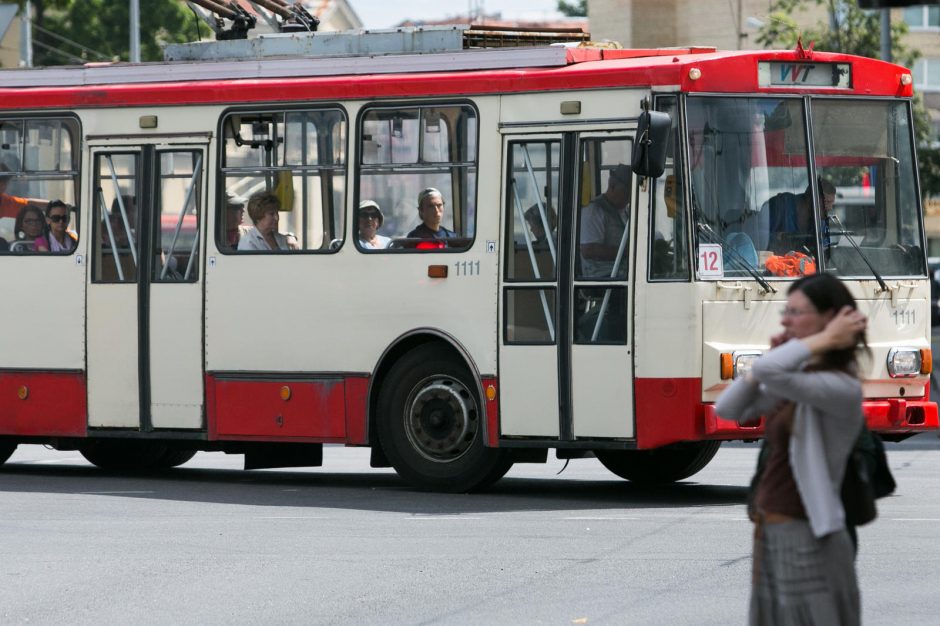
point(680, 159)
point(469, 241)
point(222, 174)
point(75, 175)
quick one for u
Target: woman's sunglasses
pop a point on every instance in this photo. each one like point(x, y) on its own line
point(55, 219)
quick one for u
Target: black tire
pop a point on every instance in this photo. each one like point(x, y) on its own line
point(430, 424)
point(659, 466)
point(173, 457)
point(123, 454)
point(6, 450)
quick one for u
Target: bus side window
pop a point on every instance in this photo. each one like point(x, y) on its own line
point(419, 164)
point(300, 158)
point(38, 163)
point(669, 254)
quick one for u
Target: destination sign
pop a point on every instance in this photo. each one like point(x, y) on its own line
point(804, 74)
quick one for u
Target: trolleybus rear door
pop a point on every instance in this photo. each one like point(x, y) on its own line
point(565, 360)
point(144, 307)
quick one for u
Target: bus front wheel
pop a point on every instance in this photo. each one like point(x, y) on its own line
point(659, 466)
point(430, 424)
point(6, 450)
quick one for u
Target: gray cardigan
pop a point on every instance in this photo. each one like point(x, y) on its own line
point(827, 422)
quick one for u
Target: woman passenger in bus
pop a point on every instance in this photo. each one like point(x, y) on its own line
point(370, 221)
point(30, 226)
point(808, 389)
point(263, 209)
point(58, 238)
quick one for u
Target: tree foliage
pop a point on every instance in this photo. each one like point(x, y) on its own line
point(578, 8)
point(854, 31)
point(101, 28)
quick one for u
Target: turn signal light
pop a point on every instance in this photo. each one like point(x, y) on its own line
point(926, 361)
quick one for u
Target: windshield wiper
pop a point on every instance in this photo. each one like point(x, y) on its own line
point(736, 256)
point(835, 220)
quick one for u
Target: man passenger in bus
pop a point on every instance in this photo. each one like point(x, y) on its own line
point(431, 212)
point(791, 218)
point(370, 221)
point(264, 210)
point(603, 225)
point(10, 206)
point(58, 237)
point(234, 213)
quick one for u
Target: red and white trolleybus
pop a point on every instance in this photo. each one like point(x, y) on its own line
point(155, 336)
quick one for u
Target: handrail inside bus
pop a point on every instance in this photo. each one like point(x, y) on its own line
point(528, 244)
point(197, 169)
point(105, 217)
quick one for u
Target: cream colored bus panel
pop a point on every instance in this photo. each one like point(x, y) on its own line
point(113, 383)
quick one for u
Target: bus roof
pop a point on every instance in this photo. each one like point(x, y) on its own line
point(462, 72)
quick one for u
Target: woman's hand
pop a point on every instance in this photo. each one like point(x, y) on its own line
point(842, 331)
point(778, 340)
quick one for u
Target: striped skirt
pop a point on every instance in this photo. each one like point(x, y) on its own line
point(799, 579)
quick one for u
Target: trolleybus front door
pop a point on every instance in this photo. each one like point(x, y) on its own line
point(565, 360)
point(144, 306)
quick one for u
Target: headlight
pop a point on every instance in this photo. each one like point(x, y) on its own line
point(904, 362)
point(744, 361)
point(738, 363)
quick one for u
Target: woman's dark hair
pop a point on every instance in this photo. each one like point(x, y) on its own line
point(828, 293)
point(26, 210)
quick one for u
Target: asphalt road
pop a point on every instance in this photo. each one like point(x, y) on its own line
point(345, 544)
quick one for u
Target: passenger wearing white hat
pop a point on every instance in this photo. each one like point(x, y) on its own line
point(431, 212)
point(370, 221)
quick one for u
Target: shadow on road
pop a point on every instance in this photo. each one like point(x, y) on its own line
point(360, 491)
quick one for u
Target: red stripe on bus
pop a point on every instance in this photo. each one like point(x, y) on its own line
point(272, 410)
point(492, 411)
point(669, 410)
point(43, 403)
point(357, 393)
point(721, 72)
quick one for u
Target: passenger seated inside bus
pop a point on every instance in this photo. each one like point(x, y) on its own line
point(30, 229)
point(121, 237)
point(369, 222)
point(604, 222)
point(533, 218)
point(264, 210)
point(58, 237)
point(431, 212)
point(233, 220)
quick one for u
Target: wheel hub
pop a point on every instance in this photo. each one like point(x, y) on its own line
point(441, 419)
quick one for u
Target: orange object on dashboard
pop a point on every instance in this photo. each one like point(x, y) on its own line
point(791, 264)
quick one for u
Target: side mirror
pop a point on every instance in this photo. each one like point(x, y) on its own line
point(649, 149)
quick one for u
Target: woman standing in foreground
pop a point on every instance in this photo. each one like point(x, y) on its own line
point(807, 387)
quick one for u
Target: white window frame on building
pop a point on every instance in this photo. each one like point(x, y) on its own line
point(927, 14)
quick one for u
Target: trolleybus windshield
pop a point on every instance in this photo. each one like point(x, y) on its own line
point(752, 160)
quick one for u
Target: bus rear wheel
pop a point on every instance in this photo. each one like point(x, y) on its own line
point(659, 466)
point(123, 454)
point(430, 424)
point(6, 450)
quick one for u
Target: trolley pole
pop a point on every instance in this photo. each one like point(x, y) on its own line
point(135, 31)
